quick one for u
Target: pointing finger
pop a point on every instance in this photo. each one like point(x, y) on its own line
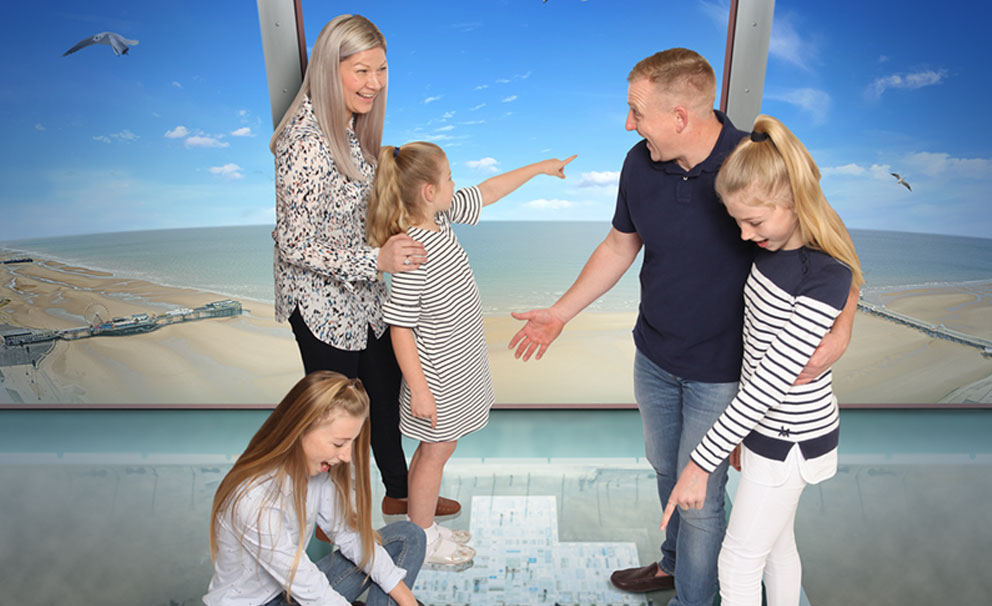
point(668, 514)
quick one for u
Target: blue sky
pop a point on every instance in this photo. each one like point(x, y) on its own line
point(175, 134)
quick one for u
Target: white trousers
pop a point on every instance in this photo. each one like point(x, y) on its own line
point(760, 540)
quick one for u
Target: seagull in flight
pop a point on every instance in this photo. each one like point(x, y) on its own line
point(901, 180)
point(117, 42)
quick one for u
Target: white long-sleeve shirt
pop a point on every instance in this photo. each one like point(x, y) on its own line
point(255, 552)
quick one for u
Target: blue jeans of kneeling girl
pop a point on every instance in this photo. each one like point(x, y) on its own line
point(676, 413)
point(404, 541)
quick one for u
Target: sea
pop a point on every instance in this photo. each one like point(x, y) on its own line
point(519, 265)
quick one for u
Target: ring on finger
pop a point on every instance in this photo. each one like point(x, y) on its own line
point(406, 261)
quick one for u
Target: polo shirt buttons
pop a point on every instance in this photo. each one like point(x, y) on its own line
point(685, 178)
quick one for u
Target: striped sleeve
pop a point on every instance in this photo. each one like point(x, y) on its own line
point(788, 351)
point(402, 308)
point(466, 206)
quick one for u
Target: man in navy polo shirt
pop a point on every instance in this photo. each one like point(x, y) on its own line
point(688, 331)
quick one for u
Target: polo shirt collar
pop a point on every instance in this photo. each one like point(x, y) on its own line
point(718, 154)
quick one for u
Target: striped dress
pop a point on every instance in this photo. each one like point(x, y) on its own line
point(791, 300)
point(440, 302)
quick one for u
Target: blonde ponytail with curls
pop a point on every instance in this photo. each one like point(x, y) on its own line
point(780, 167)
point(395, 202)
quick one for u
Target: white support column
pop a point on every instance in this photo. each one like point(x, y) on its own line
point(747, 59)
point(282, 46)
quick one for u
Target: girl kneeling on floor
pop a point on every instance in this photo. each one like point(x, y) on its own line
point(308, 464)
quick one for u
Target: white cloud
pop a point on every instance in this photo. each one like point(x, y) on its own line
point(228, 171)
point(787, 45)
point(477, 107)
point(176, 84)
point(718, 12)
point(431, 99)
point(448, 115)
point(847, 170)
point(509, 99)
point(880, 172)
point(503, 81)
point(911, 81)
point(177, 133)
point(244, 131)
point(201, 141)
point(445, 128)
point(481, 86)
point(599, 179)
point(524, 76)
point(943, 165)
point(39, 126)
point(125, 135)
point(467, 26)
point(814, 102)
point(918, 167)
point(544, 204)
point(487, 164)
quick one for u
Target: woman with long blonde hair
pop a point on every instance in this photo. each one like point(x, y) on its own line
point(788, 434)
point(308, 465)
point(328, 280)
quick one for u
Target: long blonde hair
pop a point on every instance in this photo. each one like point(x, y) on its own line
point(344, 36)
point(276, 449)
point(394, 203)
point(781, 163)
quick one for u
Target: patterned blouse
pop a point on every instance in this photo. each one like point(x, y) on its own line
point(323, 264)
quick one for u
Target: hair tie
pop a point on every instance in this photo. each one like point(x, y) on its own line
point(396, 151)
point(758, 137)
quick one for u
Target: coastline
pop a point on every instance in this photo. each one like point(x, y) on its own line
point(252, 360)
point(246, 359)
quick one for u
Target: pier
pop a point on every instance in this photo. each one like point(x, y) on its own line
point(938, 331)
point(122, 326)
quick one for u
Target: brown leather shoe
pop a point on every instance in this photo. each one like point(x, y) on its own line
point(397, 507)
point(642, 580)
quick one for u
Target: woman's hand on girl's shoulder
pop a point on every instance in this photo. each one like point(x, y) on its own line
point(401, 253)
point(556, 167)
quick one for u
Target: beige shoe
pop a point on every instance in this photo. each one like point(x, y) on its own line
point(456, 536)
point(444, 554)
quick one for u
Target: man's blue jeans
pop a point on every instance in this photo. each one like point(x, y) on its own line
point(676, 413)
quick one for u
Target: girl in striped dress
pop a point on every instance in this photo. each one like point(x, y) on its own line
point(802, 274)
point(436, 318)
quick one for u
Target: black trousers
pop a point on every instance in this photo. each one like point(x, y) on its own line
point(380, 374)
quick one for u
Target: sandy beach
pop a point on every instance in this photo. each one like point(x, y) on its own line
point(250, 359)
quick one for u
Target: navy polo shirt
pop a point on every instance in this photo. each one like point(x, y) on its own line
point(692, 281)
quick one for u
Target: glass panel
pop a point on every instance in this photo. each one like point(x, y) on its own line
point(141, 187)
point(888, 102)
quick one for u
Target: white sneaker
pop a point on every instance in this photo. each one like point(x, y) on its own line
point(456, 536)
point(445, 554)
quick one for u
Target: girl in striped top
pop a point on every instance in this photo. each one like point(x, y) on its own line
point(799, 283)
point(436, 318)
